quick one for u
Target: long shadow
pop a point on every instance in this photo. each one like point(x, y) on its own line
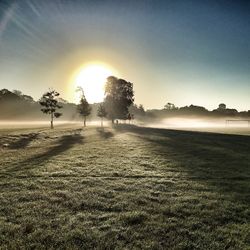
point(220, 160)
point(104, 134)
point(24, 141)
point(63, 144)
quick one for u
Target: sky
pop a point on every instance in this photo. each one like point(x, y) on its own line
point(184, 52)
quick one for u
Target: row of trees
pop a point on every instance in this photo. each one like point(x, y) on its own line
point(119, 96)
point(199, 110)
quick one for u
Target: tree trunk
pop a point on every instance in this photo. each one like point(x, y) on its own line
point(51, 122)
point(102, 122)
point(84, 121)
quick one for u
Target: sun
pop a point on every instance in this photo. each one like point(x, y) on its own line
point(92, 78)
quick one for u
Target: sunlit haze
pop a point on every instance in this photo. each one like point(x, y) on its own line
point(184, 52)
point(92, 78)
point(124, 124)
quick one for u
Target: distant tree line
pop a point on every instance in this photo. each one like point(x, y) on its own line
point(170, 110)
point(118, 105)
point(14, 105)
point(119, 96)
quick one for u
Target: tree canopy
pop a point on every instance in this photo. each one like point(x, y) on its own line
point(83, 108)
point(50, 104)
point(119, 95)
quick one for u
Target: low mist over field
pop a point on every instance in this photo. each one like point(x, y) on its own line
point(223, 125)
point(190, 124)
point(18, 108)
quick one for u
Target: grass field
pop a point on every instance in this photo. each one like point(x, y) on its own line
point(123, 188)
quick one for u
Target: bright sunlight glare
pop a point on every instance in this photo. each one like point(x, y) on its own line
point(92, 78)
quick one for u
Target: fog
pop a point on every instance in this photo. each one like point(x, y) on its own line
point(37, 124)
point(220, 125)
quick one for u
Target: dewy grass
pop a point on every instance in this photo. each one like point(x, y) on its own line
point(123, 188)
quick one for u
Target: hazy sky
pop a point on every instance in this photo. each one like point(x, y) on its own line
point(185, 52)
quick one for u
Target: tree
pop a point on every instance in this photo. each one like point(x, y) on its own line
point(170, 106)
point(50, 105)
point(83, 107)
point(119, 95)
point(101, 112)
point(129, 118)
point(141, 108)
point(222, 106)
point(137, 111)
point(17, 92)
point(28, 98)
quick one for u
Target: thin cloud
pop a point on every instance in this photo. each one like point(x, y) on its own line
point(7, 18)
point(33, 8)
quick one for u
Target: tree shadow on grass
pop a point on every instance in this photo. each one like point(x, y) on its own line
point(220, 160)
point(23, 141)
point(65, 143)
point(18, 141)
point(104, 134)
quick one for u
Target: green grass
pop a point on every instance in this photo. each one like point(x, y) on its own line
point(123, 188)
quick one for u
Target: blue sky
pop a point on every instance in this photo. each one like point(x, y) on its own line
point(185, 52)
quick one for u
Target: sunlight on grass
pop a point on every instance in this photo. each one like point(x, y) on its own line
point(143, 187)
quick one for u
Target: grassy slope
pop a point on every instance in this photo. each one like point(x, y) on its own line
point(125, 188)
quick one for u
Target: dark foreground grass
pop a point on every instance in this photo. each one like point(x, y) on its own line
point(124, 188)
